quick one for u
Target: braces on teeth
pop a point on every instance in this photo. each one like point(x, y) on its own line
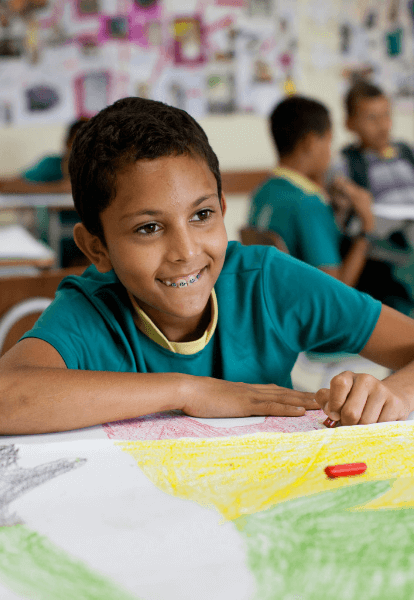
point(183, 282)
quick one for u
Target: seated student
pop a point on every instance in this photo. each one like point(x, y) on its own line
point(172, 316)
point(48, 175)
point(385, 168)
point(293, 205)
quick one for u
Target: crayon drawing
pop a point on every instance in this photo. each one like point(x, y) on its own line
point(246, 517)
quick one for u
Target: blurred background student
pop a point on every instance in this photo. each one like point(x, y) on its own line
point(385, 168)
point(50, 174)
point(293, 202)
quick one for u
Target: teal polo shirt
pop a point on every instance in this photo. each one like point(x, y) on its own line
point(306, 224)
point(270, 307)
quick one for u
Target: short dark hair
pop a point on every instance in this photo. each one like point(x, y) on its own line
point(73, 129)
point(294, 118)
point(360, 91)
point(129, 130)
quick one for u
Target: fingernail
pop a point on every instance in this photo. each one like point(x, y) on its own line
point(330, 423)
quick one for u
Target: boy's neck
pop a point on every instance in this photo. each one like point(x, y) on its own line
point(296, 163)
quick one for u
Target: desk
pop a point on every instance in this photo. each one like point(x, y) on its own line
point(53, 202)
point(405, 212)
point(172, 507)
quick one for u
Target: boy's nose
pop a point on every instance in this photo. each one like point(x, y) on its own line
point(183, 245)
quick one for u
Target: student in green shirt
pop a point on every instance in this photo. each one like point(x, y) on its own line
point(171, 316)
point(293, 203)
point(50, 175)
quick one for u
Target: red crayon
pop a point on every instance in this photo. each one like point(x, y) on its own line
point(347, 470)
point(330, 423)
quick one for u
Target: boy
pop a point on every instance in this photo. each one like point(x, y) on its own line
point(292, 202)
point(50, 175)
point(386, 169)
point(171, 316)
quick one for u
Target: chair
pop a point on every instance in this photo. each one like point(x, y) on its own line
point(23, 299)
point(262, 237)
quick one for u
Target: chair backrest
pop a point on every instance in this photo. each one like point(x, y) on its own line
point(23, 299)
point(262, 237)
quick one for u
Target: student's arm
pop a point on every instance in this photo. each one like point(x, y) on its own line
point(353, 263)
point(18, 185)
point(38, 394)
point(362, 399)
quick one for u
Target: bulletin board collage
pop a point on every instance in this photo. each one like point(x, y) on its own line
point(377, 43)
point(64, 59)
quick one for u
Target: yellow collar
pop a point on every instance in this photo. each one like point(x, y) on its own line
point(300, 181)
point(389, 153)
point(147, 326)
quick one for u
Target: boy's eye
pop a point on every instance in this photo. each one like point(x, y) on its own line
point(148, 229)
point(203, 215)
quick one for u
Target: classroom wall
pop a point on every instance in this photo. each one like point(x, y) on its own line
point(240, 141)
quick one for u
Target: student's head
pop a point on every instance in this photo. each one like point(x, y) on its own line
point(147, 186)
point(302, 126)
point(72, 130)
point(368, 115)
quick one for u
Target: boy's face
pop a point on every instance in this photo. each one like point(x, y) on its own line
point(320, 151)
point(372, 122)
point(166, 225)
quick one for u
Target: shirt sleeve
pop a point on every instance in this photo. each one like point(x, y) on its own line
point(317, 234)
point(45, 170)
point(314, 311)
point(78, 333)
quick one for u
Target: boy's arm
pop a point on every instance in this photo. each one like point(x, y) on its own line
point(362, 399)
point(38, 394)
point(360, 200)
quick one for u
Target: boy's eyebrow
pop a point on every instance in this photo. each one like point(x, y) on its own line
point(149, 211)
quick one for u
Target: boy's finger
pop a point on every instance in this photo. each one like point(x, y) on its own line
point(295, 398)
point(277, 409)
point(372, 410)
point(341, 385)
point(322, 397)
point(356, 400)
point(391, 412)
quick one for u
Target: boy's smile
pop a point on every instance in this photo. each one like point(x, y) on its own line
point(166, 240)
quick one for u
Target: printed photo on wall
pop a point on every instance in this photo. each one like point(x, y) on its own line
point(88, 8)
point(91, 93)
point(261, 8)
point(221, 91)
point(188, 41)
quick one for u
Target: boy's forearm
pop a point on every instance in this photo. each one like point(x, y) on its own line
point(42, 400)
point(354, 262)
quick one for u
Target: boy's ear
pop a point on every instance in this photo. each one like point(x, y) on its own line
point(92, 247)
point(223, 204)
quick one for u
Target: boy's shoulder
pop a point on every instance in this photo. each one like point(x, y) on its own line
point(241, 259)
point(287, 187)
point(91, 282)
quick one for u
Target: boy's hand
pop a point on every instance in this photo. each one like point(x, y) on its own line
point(206, 397)
point(360, 198)
point(360, 399)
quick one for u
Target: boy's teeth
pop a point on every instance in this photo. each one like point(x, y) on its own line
point(183, 281)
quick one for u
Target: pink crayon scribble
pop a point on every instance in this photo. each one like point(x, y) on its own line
point(170, 425)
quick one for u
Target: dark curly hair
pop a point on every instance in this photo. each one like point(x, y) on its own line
point(129, 130)
point(293, 118)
